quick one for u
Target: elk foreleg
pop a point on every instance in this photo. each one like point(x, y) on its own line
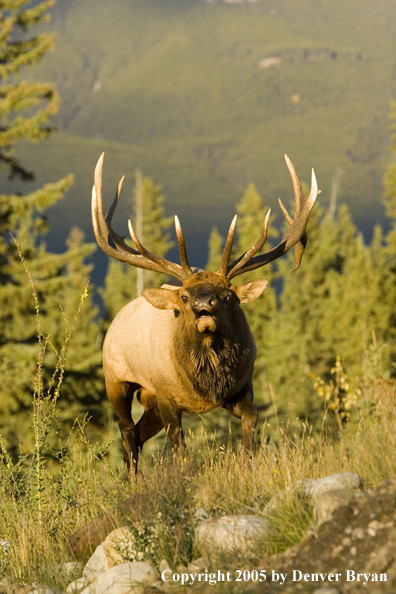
point(171, 419)
point(241, 406)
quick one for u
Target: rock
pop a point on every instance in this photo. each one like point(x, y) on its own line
point(328, 501)
point(96, 562)
point(230, 533)
point(127, 578)
point(200, 514)
point(106, 554)
point(5, 545)
point(359, 539)
point(199, 565)
point(327, 590)
point(344, 481)
point(164, 566)
point(346, 484)
point(76, 586)
point(84, 542)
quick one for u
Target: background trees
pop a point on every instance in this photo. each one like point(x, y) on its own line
point(59, 279)
point(340, 303)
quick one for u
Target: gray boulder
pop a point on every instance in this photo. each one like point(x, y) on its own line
point(230, 533)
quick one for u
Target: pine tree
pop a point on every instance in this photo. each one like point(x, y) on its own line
point(336, 305)
point(25, 108)
point(121, 279)
point(17, 99)
point(251, 213)
point(83, 383)
point(215, 250)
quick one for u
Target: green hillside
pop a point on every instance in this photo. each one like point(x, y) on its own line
point(189, 92)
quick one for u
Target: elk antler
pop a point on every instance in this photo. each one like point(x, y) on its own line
point(295, 236)
point(114, 244)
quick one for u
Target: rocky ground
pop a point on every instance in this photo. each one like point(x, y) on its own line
point(351, 550)
point(360, 537)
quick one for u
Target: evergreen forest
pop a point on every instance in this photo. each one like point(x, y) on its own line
point(335, 315)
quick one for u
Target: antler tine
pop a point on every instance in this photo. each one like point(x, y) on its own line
point(297, 187)
point(227, 248)
point(182, 248)
point(113, 244)
point(97, 197)
point(296, 234)
point(166, 267)
point(114, 238)
point(238, 264)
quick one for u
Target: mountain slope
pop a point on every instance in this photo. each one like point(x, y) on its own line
point(206, 98)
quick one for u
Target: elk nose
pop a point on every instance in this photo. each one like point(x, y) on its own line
point(205, 302)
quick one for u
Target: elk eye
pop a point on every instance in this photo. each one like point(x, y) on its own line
point(229, 297)
point(184, 298)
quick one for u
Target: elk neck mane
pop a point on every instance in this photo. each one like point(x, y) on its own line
point(212, 363)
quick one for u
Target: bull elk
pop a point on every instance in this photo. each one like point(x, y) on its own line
point(187, 348)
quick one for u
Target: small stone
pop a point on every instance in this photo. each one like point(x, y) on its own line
point(106, 555)
point(70, 569)
point(181, 569)
point(312, 488)
point(346, 541)
point(126, 578)
point(230, 533)
point(76, 586)
point(164, 566)
point(199, 565)
point(200, 515)
point(337, 550)
point(376, 525)
point(359, 533)
point(328, 502)
point(353, 551)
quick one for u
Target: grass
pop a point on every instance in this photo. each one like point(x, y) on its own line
point(81, 483)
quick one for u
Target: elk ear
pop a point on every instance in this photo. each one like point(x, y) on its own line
point(249, 292)
point(162, 298)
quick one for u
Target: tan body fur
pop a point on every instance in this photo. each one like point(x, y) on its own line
point(146, 350)
point(149, 357)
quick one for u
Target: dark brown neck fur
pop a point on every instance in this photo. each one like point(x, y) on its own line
point(211, 363)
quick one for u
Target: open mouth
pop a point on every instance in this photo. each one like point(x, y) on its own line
point(206, 322)
point(204, 314)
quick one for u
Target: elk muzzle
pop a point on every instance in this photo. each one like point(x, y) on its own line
point(205, 307)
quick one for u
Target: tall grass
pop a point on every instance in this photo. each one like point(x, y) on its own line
point(81, 484)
